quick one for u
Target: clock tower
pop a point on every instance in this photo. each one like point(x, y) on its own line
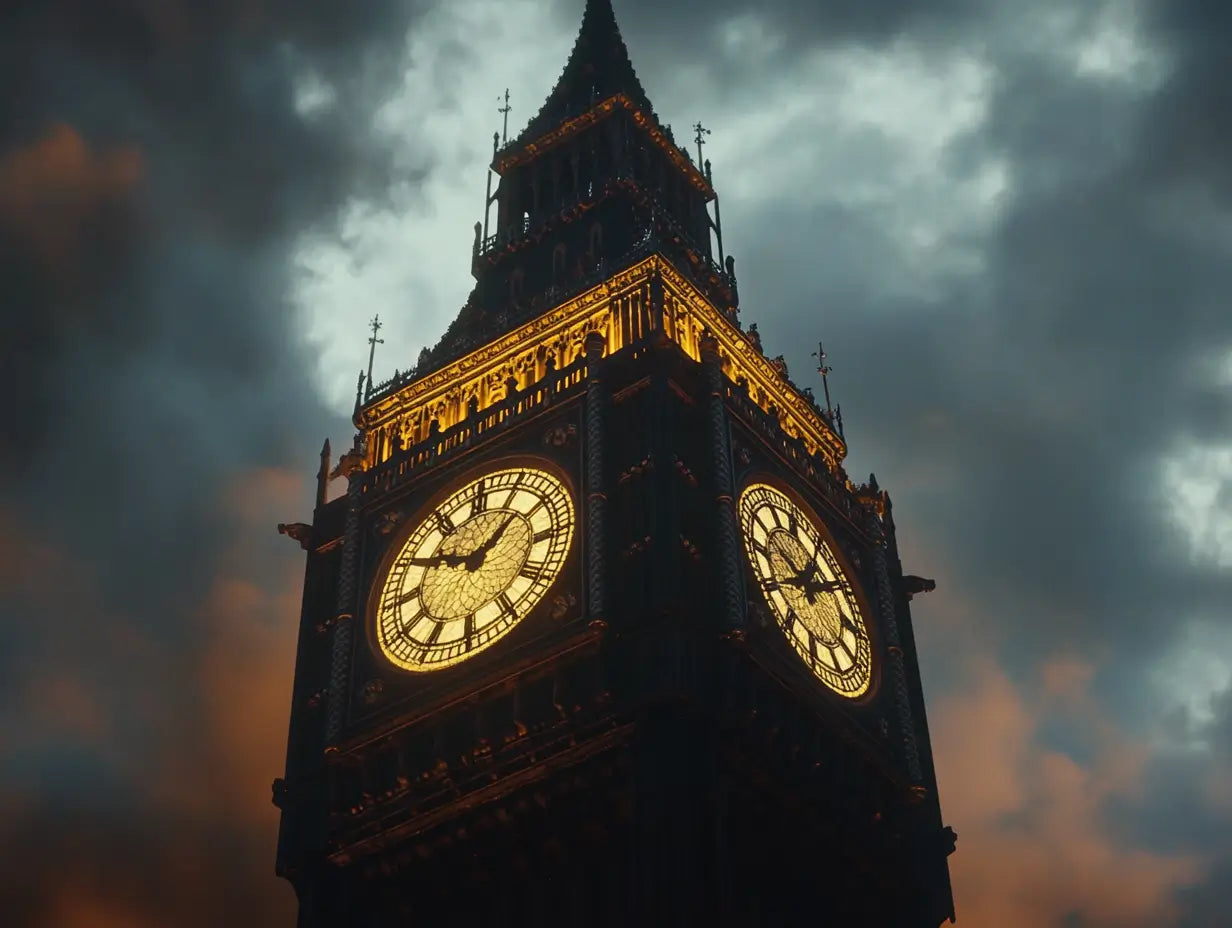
point(600, 630)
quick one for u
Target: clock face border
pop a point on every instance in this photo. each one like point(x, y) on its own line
point(855, 583)
point(379, 575)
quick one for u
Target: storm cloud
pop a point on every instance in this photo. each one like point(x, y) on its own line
point(1010, 223)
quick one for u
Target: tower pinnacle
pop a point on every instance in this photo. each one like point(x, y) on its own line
point(598, 67)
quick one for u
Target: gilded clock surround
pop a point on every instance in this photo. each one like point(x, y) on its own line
point(809, 587)
point(472, 564)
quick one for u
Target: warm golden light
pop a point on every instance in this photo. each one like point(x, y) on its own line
point(810, 595)
point(621, 309)
point(473, 568)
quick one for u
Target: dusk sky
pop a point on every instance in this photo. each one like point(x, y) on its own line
point(1010, 221)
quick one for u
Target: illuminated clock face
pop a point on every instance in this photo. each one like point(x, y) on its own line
point(473, 568)
point(811, 597)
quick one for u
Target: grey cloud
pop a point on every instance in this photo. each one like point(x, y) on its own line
point(156, 357)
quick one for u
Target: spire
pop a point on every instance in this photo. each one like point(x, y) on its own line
point(598, 68)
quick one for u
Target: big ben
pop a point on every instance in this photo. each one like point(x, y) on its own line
point(600, 631)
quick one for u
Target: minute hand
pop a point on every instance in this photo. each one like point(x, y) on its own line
point(475, 559)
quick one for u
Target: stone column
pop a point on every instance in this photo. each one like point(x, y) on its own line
point(897, 672)
point(727, 535)
point(344, 618)
point(596, 483)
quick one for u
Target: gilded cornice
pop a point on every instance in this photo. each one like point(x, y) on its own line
point(571, 127)
point(559, 334)
point(767, 387)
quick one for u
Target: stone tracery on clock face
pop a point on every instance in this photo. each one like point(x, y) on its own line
point(473, 567)
point(808, 591)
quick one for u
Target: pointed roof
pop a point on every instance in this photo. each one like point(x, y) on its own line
point(598, 68)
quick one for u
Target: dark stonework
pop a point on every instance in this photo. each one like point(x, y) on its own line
point(344, 618)
point(727, 530)
point(596, 485)
point(644, 746)
point(894, 656)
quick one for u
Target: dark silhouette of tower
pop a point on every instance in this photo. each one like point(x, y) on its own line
point(600, 631)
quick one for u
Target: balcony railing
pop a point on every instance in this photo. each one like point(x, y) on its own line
point(792, 448)
point(481, 424)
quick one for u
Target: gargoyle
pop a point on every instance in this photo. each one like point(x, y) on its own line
point(348, 464)
point(913, 584)
point(297, 530)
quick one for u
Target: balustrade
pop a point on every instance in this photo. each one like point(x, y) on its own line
point(519, 403)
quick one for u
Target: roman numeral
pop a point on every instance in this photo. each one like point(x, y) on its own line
point(506, 604)
point(479, 502)
point(769, 584)
point(532, 570)
point(437, 628)
point(404, 630)
point(444, 523)
point(544, 534)
point(470, 627)
point(792, 523)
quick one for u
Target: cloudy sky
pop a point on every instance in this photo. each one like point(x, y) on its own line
point(1011, 223)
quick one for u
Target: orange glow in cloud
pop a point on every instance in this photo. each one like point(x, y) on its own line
point(49, 189)
point(1033, 847)
point(199, 848)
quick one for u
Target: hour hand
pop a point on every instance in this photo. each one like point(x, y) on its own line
point(438, 560)
point(476, 558)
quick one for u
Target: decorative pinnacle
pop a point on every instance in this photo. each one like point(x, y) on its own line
point(373, 341)
point(700, 132)
point(824, 369)
point(505, 111)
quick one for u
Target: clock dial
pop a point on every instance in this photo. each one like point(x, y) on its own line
point(473, 567)
point(807, 590)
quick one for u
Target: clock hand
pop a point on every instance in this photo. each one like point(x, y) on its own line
point(476, 558)
point(438, 560)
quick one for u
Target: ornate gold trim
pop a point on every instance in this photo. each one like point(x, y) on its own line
point(621, 309)
point(571, 127)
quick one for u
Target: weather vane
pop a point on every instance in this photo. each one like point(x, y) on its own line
point(373, 341)
point(700, 133)
point(505, 111)
point(824, 370)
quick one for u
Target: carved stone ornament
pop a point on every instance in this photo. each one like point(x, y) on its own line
point(442, 393)
point(562, 606)
point(388, 522)
point(560, 436)
point(296, 530)
point(372, 690)
point(350, 462)
point(744, 456)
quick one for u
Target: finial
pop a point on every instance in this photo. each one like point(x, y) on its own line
point(504, 110)
point(323, 474)
point(700, 132)
point(373, 341)
point(359, 392)
point(824, 369)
